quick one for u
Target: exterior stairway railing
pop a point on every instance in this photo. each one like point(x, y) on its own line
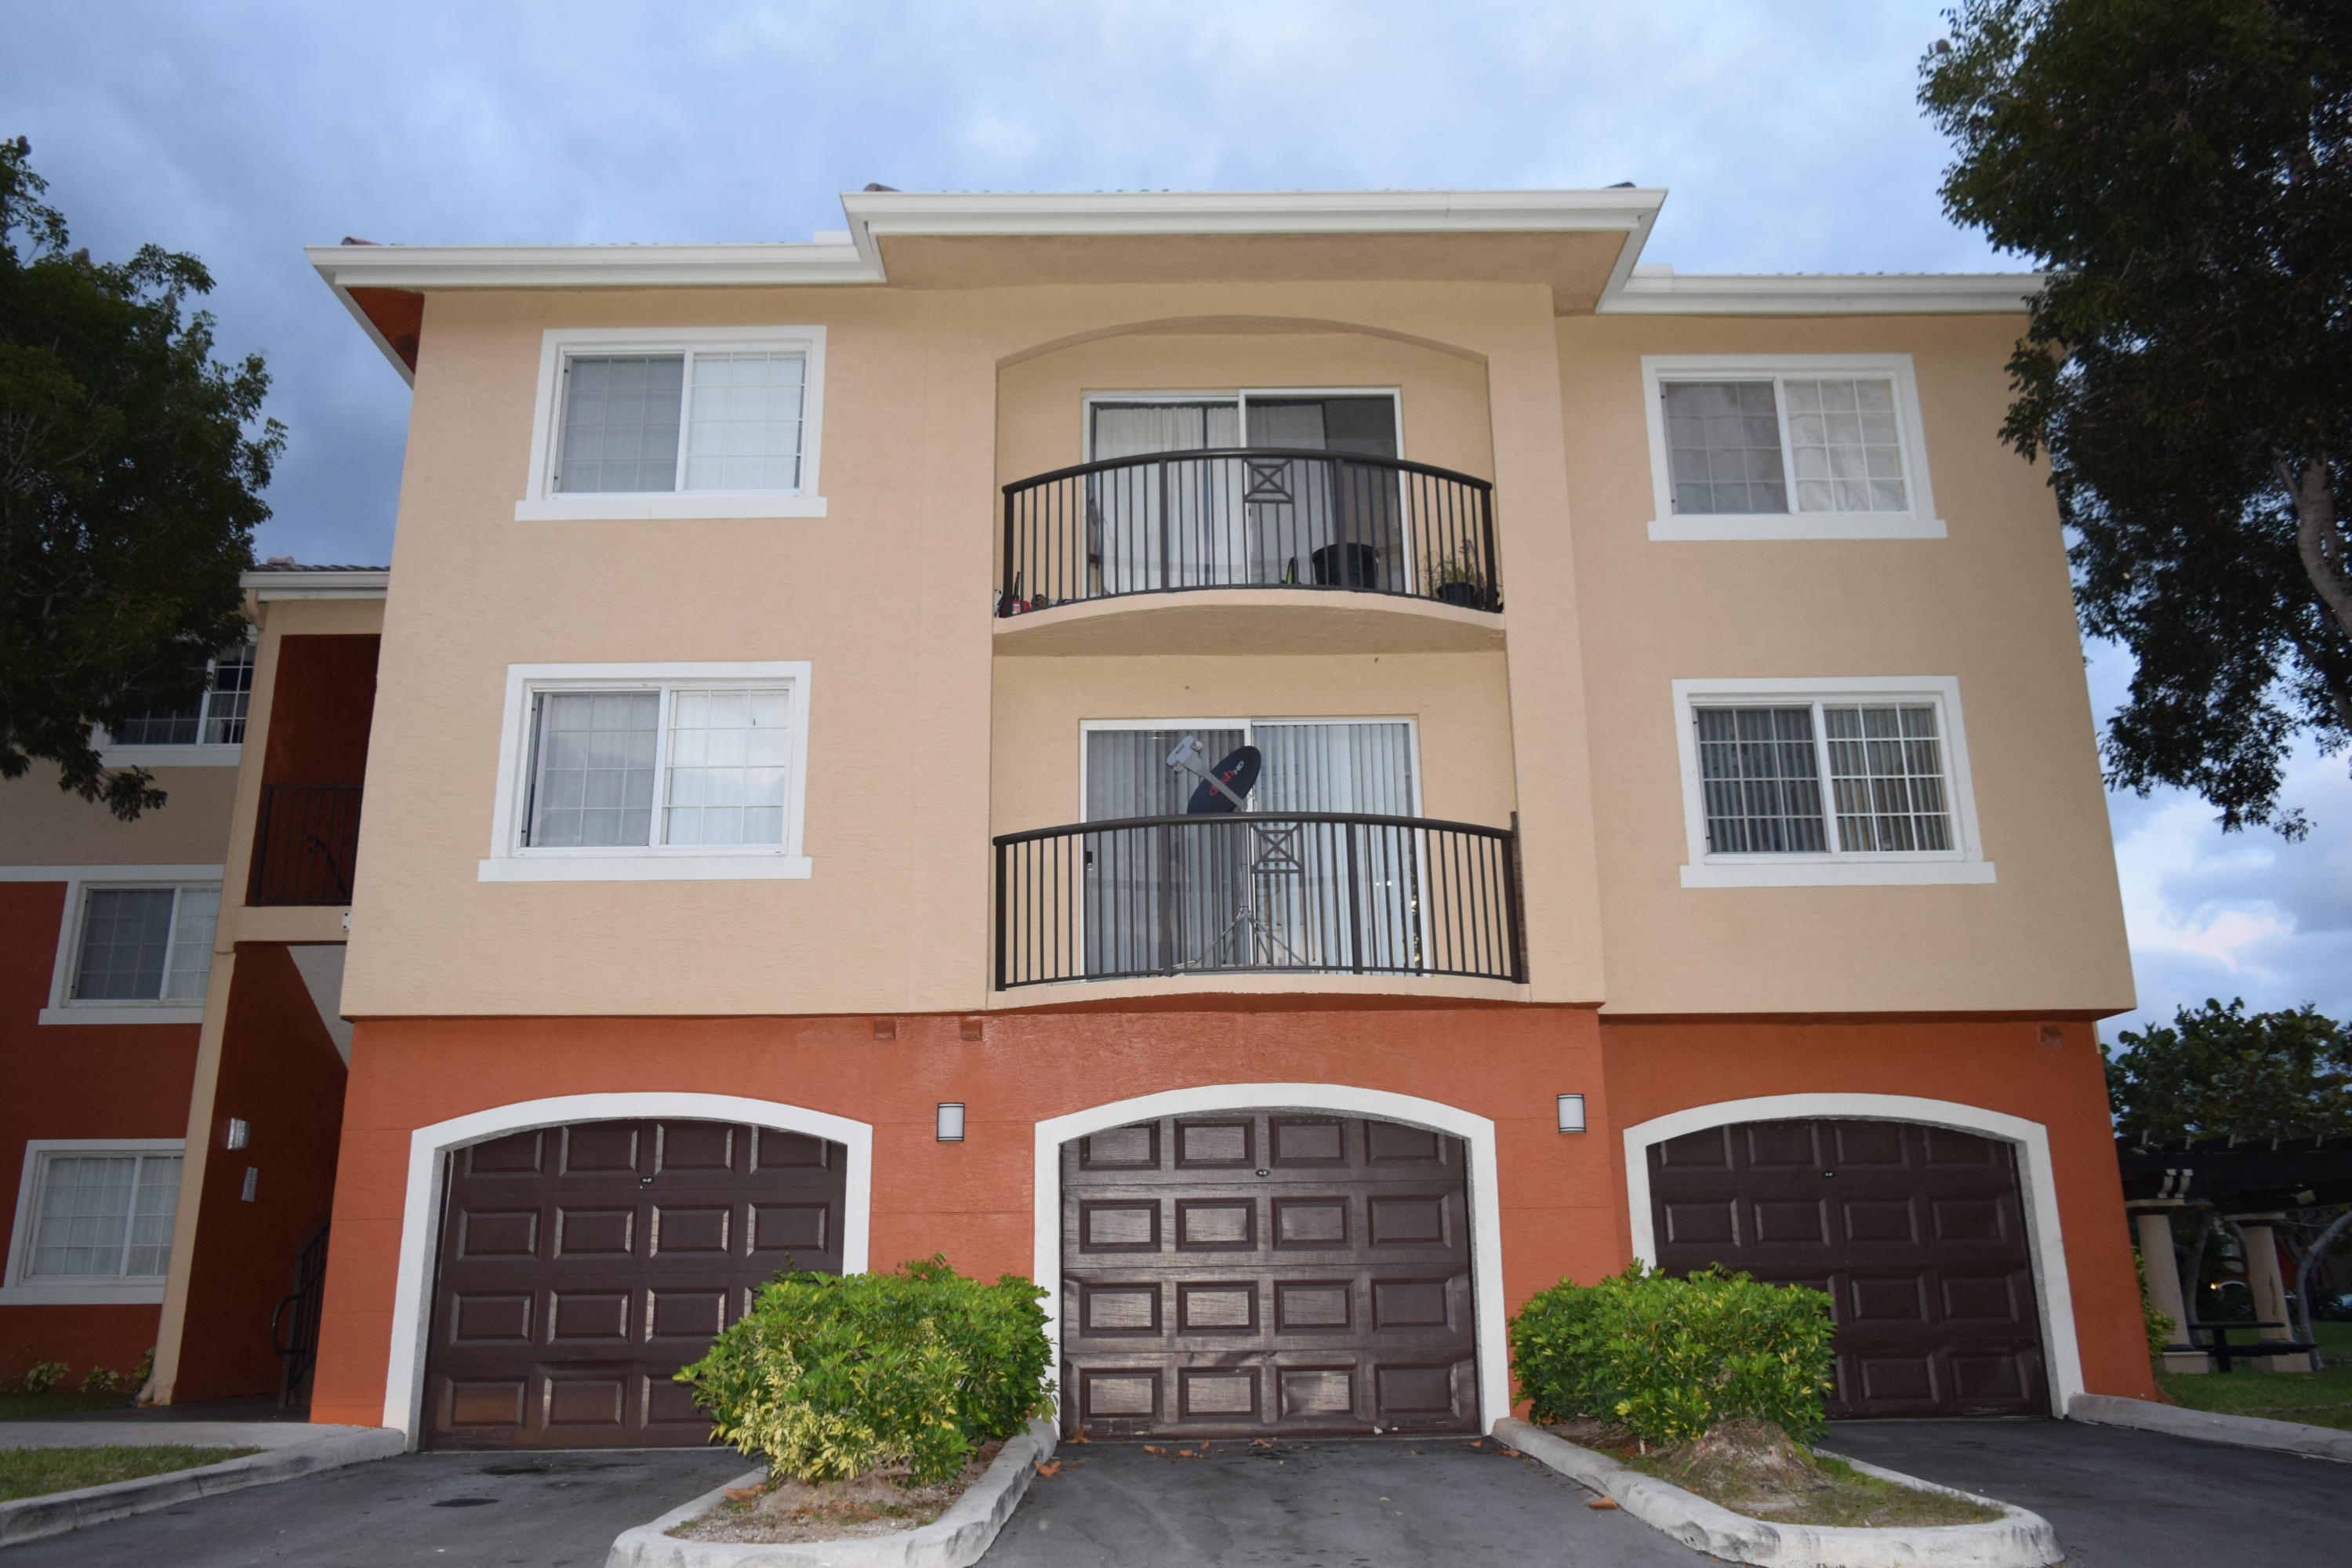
point(305, 841)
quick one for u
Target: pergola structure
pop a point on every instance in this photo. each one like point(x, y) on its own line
point(2249, 1181)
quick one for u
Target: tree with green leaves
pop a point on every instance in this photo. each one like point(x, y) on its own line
point(2182, 169)
point(131, 472)
point(2221, 1072)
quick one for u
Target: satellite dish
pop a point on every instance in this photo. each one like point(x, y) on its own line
point(1237, 771)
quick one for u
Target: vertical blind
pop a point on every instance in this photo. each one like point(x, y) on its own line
point(106, 1215)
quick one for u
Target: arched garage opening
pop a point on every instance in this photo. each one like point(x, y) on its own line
point(1245, 1260)
point(561, 1258)
point(1932, 1228)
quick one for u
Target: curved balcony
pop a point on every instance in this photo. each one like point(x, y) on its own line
point(1302, 893)
point(1215, 521)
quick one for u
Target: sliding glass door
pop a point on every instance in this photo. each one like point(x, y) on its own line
point(1193, 523)
point(1253, 890)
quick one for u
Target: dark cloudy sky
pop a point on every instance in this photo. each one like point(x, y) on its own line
point(1785, 129)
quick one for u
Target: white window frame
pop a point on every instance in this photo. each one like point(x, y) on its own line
point(192, 754)
point(543, 502)
point(78, 880)
point(510, 860)
point(1919, 522)
point(1964, 862)
point(85, 1290)
point(1241, 396)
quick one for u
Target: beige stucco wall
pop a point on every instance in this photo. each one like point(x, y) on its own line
point(923, 741)
point(1988, 604)
point(1441, 396)
point(889, 596)
point(41, 825)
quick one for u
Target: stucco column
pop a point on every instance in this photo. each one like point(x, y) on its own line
point(2153, 1224)
point(2269, 1287)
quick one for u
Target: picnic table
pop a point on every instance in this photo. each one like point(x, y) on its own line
point(2220, 1348)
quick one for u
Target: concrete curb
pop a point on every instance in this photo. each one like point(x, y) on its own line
point(955, 1540)
point(2022, 1540)
point(2212, 1425)
point(302, 1451)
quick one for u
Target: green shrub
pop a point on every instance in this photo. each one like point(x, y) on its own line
point(2157, 1326)
point(102, 1380)
point(1670, 1359)
point(42, 1376)
point(833, 1375)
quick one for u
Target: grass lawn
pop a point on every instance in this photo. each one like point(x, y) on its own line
point(2315, 1398)
point(48, 1407)
point(33, 1472)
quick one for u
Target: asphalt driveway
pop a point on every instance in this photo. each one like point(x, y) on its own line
point(463, 1511)
point(2126, 1499)
point(1375, 1502)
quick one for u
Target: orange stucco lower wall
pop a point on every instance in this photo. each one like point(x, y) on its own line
point(1562, 1198)
point(74, 1081)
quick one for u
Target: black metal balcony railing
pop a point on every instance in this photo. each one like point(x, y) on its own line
point(1309, 892)
point(1249, 517)
point(304, 843)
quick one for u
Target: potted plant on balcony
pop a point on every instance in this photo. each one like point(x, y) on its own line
point(1456, 580)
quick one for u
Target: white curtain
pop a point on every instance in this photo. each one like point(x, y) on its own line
point(1205, 539)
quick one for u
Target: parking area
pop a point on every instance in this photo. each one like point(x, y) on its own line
point(2125, 1499)
point(538, 1510)
point(1378, 1502)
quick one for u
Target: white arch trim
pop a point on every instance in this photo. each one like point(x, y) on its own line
point(412, 1310)
point(2045, 1235)
point(1474, 1130)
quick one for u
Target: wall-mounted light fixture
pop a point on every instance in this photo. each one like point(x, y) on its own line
point(252, 1182)
point(1571, 1114)
point(234, 1138)
point(951, 1123)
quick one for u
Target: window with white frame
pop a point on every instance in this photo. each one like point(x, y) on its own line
point(697, 422)
point(685, 769)
point(143, 944)
point(1801, 447)
point(98, 1215)
point(94, 1220)
point(214, 716)
point(1785, 784)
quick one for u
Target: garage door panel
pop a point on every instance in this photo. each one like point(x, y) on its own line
point(580, 1265)
point(1204, 1295)
point(1916, 1234)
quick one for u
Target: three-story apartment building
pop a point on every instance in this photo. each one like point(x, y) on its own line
point(1294, 767)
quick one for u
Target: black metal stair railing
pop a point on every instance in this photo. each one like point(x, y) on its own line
point(1249, 517)
point(1305, 893)
point(305, 841)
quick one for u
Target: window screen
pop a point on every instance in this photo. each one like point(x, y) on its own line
point(729, 752)
point(1761, 780)
point(1723, 447)
point(145, 944)
point(620, 423)
point(105, 1216)
point(1886, 776)
point(745, 431)
point(593, 779)
point(1843, 446)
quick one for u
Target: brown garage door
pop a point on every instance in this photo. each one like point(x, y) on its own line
point(1916, 1233)
point(1264, 1271)
point(581, 1266)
